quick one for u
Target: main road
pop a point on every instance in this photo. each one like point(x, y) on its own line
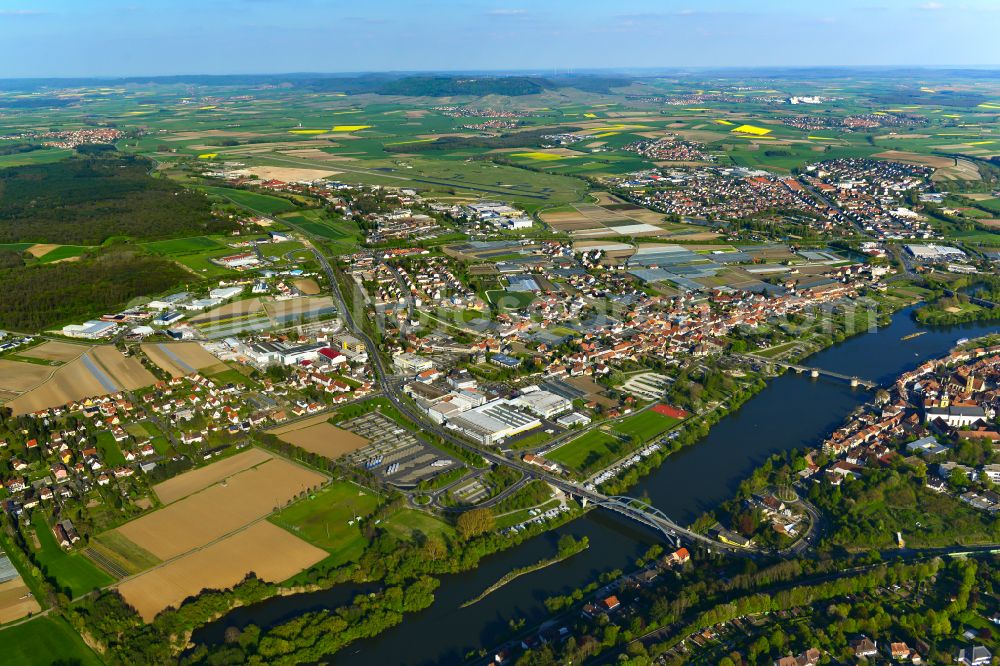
point(391, 390)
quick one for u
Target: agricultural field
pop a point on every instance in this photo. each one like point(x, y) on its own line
point(229, 505)
point(269, 552)
point(181, 358)
point(324, 439)
point(211, 534)
point(195, 480)
point(56, 351)
point(98, 371)
point(15, 600)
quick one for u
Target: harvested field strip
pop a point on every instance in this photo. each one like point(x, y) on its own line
point(122, 553)
point(175, 358)
point(125, 371)
point(264, 549)
point(105, 381)
point(220, 509)
point(104, 562)
point(198, 479)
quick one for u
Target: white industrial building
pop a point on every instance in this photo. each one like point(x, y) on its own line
point(932, 252)
point(406, 362)
point(91, 330)
point(493, 422)
point(543, 403)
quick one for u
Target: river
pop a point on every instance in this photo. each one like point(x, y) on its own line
point(792, 412)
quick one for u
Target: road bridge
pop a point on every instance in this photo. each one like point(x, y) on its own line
point(814, 372)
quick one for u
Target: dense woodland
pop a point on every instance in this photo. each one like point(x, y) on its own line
point(85, 201)
point(46, 295)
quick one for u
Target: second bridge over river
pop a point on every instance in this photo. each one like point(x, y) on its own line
point(813, 372)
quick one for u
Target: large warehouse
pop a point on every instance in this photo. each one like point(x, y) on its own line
point(493, 422)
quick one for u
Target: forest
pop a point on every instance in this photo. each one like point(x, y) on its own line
point(51, 294)
point(87, 200)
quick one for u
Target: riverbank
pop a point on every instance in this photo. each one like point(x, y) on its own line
point(564, 553)
point(792, 411)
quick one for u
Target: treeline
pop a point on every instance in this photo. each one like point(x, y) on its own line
point(16, 148)
point(86, 200)
point(311, 636)
point(943, 309)
point(42, 296)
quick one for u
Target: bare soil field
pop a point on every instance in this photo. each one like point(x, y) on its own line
point(56, 351)
point(229, 310)
point(298, 425)
point(125, 371)
point(234, 502)
point(180, 358)
point(307, 286)
point(288, 174)
point(41, 249)
point(191, 482)
point(991, 224)
point(325, 439)
point(264, 549)
point(14, 602)
point(946, 167)
point(18, 376)
point(978, 196)
point(916, 158)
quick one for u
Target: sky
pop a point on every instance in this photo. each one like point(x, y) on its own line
point(41, 38)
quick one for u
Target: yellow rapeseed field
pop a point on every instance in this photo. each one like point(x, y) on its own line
point(547, 157)
point(751, 129)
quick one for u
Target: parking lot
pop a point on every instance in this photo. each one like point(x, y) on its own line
point(395, 453)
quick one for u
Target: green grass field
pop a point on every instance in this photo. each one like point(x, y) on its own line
point(404, 524)
point(323, 518)
point(262, 203)
point(110, 451)
point(70, 569)
point(511, 300)
point(645, 425)
point(183, 245)
point(45, 640)
point(592, 445)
